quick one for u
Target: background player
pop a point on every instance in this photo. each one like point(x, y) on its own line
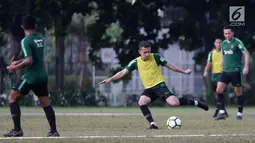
point(214, 62)
point(35, 78)
point(233, 51)
point(148, 66)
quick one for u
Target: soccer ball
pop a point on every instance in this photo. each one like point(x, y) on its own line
point(174, 122)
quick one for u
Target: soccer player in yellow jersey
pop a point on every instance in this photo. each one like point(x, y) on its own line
point(214, 62)
point(148, 66)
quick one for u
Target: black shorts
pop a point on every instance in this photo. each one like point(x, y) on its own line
point(156, 92)
point(235, 78)
point(23, 88)
point(214, 85)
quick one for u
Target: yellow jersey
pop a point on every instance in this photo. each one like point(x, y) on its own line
point(149, 70)
point(215, 58)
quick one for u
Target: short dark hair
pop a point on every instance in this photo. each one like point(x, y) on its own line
point(145, 44)
point(28, 22)
point(228, 27)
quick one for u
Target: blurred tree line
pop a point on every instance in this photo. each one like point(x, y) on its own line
point(91, 25)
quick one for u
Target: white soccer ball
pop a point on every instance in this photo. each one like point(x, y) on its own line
point(174, 122)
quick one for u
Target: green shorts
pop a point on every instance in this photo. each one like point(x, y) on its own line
point(159, 91)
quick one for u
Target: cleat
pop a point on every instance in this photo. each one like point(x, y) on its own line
point(152, 126)
point(14, 133)
point(202, 105)
point(216, 113)
point(221, 116)
point(53, 134)
point(226, 114)
point(239, 117)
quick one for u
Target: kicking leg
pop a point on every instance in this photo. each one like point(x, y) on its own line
point(143, 102)
point(16, 113)
point(174, 101)
point(240, 102)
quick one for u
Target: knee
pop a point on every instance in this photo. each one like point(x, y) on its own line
point(142, 102)
point(11, 99)
point(219, 91)
point(173, 101)
point(238, 93)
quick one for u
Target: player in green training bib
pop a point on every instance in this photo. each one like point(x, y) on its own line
point(35, 78)
point(148, 66)
point(233, 50)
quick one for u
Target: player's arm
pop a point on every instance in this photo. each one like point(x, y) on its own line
point(177, 69)
point(25, 62)
point(16, 62)
point(28, 60)
point(208, 65)
point(246, 57)
point(161, 61)
point(131, 66)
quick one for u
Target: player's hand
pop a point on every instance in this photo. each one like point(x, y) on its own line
point(14, 63)
point(105, 81)
point(245, 71)
point(188, 71)
point(205, 74)
point(11, 68)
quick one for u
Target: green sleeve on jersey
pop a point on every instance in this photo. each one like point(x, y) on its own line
point(25, 45)
point(241, 45)
point(209, 59)
point(132, 65)
point(159, 59)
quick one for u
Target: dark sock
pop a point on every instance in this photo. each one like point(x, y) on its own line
point(50, 115)
point(186, 101)
point(15, 111)
point(221, 102)
point(146, 113)
point(240, 102)
point(217, 102)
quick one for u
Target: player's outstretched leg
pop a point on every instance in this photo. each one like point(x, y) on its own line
point(240, 102)
point(174, 101)
point(15, 112)
point(143, 101)
point(50, 115)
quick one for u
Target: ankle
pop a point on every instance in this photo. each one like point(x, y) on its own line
point(239, 114)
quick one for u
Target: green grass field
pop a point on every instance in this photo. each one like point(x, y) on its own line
point(125, 125)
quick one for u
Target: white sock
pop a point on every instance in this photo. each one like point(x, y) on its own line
point(239, 114)
point(222, 111)
point(153, 123)
point(196, 102)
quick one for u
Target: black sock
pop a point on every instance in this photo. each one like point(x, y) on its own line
point(186, 101)
point(15, 111)
point(146, 113)
point(50, 115)
point(221, 102)
point(217, 103)
point(240, 103)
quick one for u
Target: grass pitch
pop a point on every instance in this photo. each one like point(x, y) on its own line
point(125, 125)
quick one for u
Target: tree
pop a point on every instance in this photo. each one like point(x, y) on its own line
point(60, 14)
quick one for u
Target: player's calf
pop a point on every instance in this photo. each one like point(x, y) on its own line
point(173, 101)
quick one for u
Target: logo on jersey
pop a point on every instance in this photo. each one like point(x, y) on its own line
point(39, 43)
point(240, 46)
point(228, 52)
point(232, 46)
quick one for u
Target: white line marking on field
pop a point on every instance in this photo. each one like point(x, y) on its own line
point(142, 136)
point(79, 114)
